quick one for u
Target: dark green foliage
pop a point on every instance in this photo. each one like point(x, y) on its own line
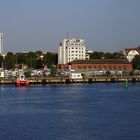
point(50, 59)
point(27, 73)
point(136, 62)
point(96, 55)
point(107, 55)
point(39, 64)
point(31, 60)
point(20, 58)
point(53, 70)
point(9, 60)
point(1, 61)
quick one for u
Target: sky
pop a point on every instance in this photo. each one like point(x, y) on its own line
point(40, 25)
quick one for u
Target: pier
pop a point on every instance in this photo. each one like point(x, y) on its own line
point(67, 80)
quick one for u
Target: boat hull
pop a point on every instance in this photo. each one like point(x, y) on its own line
point(22, 83)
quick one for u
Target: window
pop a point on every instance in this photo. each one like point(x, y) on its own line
point(94, 67)
point(89, 67)
point(100, 67)
point(124, 67)
point(84, 67)
point(104, 67)
point(114, 67)
point(109, 67)
point(79, 67)
point(119, 67)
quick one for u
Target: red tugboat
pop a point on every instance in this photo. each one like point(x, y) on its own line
point(21, 81)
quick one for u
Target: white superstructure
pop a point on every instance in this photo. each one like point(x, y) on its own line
point(71, 49)
point(1, 43)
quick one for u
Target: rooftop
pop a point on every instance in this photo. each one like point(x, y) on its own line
point(101, 61)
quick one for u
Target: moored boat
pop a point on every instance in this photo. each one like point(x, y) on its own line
point(21, 81)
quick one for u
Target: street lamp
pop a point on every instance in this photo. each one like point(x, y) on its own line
point(41, 57)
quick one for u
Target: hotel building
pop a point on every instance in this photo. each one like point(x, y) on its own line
point(71, 49)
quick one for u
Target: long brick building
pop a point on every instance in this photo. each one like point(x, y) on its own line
point(102, 65)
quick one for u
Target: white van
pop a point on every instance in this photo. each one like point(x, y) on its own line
point(76, 76)
point(2, 74)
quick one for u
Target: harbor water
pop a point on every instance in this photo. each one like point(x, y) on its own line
point(97, 111)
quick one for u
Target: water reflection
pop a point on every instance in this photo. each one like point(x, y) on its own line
point(74, 111)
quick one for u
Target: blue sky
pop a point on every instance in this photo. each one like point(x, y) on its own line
point(106, 25)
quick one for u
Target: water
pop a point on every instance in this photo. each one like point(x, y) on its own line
point(70, 112)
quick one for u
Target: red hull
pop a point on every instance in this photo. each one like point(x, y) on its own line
point(22, 83)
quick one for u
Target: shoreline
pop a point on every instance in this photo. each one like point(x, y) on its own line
point(67, 80)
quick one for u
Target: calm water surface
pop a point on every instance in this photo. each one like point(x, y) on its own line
point(70, 112)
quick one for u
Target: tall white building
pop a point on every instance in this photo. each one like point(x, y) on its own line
point(1, 43)
point(71, 49)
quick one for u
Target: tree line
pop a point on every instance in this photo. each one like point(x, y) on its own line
point(38, 59)
point(35, 60)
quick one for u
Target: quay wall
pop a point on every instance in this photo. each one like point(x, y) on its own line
point(67, 80)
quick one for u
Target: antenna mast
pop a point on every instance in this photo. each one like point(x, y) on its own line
point(67, 35)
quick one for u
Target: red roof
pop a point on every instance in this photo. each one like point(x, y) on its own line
point(101, 61)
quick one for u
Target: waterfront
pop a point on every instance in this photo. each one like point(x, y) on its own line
point(60, 80)
point(107, 111)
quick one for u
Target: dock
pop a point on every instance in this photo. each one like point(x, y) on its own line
point(67, 80)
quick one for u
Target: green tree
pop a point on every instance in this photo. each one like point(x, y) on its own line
point(96, 55)
point(136, 62)
point(39, 53)
point(27, 73)
point(20, 58)
point(53, 70)
point(1, 61)
point(10, 60)
point(31, 60)
point(108, 55)
point(50, 58)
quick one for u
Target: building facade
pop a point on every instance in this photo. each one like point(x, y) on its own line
point(1, 43)
point(71, 49)
point(101, 65)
